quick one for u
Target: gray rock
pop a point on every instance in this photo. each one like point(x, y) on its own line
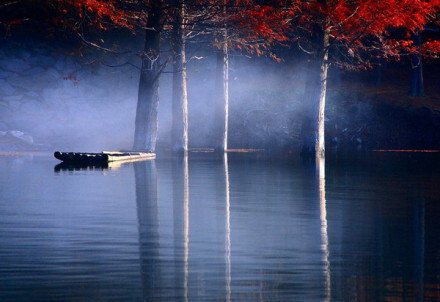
point(32, 83)
point(41, 60)
point(24, 54)
point(14, 105)
point(35, 71)
point(23, 82)
point(71, 65)
point(20, 135)
point(14, 65)
point(32, 94)
point(54, 73)
point(70, 87)
point(55, 98)
point(6, 74)
point(50, 94)
point(12, 98)
point(60, 65)
point(5, 111)
point(6, 88)
point(31, 107)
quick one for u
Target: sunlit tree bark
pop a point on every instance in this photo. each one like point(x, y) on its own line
point(320, 143)
point(222, 90)
point(313, 124)
point(145, 135)
point(222, 98)
point(360, 32)
point(180, 95)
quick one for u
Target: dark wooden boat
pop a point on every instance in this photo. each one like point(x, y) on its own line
point(103, 157)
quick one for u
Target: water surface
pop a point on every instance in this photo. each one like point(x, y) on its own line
point(204, 229)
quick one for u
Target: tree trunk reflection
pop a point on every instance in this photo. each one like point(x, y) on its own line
point(324, 228)
point(181, 226)
point(228, 230)
point(148, 224)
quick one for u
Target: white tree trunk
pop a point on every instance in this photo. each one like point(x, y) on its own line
point(320, 138)
point(180, 94)
point(222, 96)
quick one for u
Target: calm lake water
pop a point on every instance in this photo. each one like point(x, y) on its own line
point(211, 230)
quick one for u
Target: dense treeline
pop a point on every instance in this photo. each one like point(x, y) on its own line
point(323, 33)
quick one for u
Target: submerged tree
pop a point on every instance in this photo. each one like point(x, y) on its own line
point(146, 15)
point(249, 26)
point(348, 34)
point(145, 133)
point(351, 34)
point(155, 17)
point(180, 96)
point(221, 117)
point(228, 24)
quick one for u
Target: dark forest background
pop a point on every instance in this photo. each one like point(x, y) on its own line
point(58, 91)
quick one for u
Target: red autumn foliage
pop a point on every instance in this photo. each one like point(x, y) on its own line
point(359, 29)
point(101, 13)
point(253, 26)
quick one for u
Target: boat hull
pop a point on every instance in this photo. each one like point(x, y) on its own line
point(103, 157)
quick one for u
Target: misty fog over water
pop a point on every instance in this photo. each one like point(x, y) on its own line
point(63, 101)
point(308, 176)
point(57, 100)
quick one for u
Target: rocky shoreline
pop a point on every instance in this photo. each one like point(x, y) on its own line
point(47, 95)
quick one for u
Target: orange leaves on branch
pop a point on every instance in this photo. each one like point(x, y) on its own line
point(100, 13)
point(431, 49)
point(360, 29)
point(261, 25)
point(365, 29)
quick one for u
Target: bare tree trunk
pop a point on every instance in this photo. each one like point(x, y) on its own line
point(320, 143)
point(145, 133)
point(180, 95)
point(222, 94)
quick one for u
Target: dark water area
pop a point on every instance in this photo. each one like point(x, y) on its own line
point(238, 229)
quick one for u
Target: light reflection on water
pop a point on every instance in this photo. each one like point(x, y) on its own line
point(203, 229)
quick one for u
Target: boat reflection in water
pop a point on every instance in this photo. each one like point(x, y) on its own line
point(64, 167)
point(235, 228)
